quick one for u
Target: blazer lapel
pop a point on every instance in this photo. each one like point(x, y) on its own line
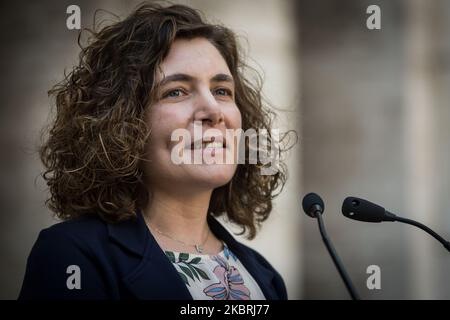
point(155, 277)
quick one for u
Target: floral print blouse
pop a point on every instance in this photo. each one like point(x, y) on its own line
point(215, 277)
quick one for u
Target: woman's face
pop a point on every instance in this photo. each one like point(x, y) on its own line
point(196, 89)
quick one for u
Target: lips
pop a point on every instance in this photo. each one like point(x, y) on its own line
point(212, 142)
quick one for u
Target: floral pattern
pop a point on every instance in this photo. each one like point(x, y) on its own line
point(188, 268)
point(230, 286)
point(228, 282)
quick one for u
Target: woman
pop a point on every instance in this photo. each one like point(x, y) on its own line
point(138, 225)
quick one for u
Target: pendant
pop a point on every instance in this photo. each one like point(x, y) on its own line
point(199, 248)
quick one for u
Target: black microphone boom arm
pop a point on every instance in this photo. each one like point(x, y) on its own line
point(363, 210)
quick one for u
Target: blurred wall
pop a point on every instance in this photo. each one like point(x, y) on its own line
point(37, 47)
point(375, 124)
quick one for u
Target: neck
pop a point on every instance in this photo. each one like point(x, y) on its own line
point(178, 215)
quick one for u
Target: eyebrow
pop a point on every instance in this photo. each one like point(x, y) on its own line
point(220, 77)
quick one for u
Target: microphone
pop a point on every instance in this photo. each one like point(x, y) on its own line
point(363, 210)
point(314, 207)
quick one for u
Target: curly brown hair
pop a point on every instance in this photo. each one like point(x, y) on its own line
point(93, 150)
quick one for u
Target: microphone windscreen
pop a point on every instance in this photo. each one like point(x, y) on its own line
point(362, 210)
point(309, 201)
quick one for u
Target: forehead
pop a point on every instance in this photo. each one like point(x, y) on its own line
point(197, 57)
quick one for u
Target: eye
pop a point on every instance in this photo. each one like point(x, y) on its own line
point(223, 92)
point(174, 93)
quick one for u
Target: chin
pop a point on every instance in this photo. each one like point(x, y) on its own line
point(214, 176)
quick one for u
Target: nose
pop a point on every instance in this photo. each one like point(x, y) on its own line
point(208, 110)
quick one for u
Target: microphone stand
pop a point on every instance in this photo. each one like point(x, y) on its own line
point(444, 242)
point(337, 262)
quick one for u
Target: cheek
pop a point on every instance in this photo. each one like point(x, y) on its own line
point(156, 149)
point(158, 132)
point(163, 122)
point(235, 118)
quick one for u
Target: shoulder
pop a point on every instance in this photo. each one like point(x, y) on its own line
point(256, 255)
point(55, 253)
point(261, 260)
point(277, 280)
point(84, 236)
point(83, 228)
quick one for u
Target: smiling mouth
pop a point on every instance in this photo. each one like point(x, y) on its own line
point(212, 144)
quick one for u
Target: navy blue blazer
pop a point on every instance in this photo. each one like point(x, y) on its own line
point(122, 261)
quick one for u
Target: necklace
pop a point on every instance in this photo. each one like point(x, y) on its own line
point(198, 247)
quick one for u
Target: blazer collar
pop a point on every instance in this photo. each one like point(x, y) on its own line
point(156, 278)
point(131, 235)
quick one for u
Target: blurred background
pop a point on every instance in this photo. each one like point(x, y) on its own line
point(371, 108)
